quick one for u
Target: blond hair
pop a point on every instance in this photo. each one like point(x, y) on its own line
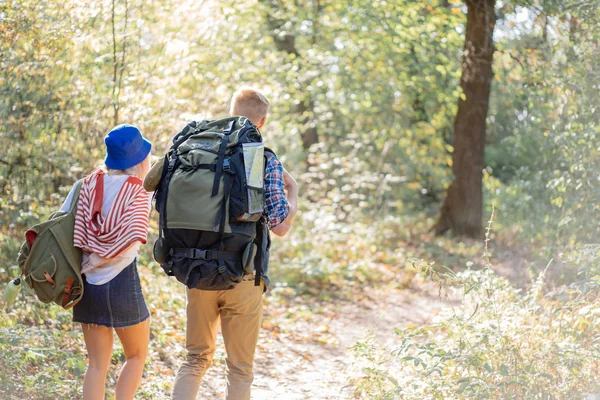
point(250, 103)
point(140, 170)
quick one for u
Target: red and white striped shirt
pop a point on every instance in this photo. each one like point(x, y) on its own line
point(125, 223)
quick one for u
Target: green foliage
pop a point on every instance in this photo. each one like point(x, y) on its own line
point(387, 105)
point(150, 65)
point(497, 343)
point(41, 349)
point(333, 257)
point(545, 136)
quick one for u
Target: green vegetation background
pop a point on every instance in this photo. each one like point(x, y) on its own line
point(379, 82)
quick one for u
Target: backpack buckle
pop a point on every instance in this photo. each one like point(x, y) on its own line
point(229, 128)
point(198, 254)
point(171, 165)
point(226, 165)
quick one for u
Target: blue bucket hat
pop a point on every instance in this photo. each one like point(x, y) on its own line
point(125, 147)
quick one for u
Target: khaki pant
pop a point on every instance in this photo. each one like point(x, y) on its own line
point(240, 311)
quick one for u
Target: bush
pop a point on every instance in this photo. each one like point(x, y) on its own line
point(498, 343)
point(324, 254)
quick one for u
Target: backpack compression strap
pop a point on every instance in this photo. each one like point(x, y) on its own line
point(221, 158)
point(67, 293)
point(227, 185)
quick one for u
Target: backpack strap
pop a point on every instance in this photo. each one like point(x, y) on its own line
point(70, 281)
point(97, 203)
point(270, 152)
point(221, 216)
point(221, 158)
point(200, 254)
point(259, 258)
point(221, 166)
point(161, 198)
point(161, 194)
point(75, 198)
point(67, 293)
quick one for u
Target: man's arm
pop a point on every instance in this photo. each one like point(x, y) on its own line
point(153, 177)
point(291, 188)
point(281, 197)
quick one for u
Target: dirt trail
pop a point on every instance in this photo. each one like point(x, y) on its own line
point(307, 354)
point(313, 358)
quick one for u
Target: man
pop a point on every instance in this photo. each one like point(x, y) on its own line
point(239, 309)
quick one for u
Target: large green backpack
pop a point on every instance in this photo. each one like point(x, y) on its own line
point(210, 198)
point(51, 265)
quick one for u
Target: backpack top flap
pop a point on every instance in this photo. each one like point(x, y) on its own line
point(207, 135)
point(50, 262)
point(192, 202)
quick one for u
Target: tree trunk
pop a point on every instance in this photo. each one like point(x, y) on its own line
point(309, 134)
point(286, 42)
point(462, 209)
point(573, 30)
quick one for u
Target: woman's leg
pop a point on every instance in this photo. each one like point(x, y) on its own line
point(135, 341)
point(99, 342)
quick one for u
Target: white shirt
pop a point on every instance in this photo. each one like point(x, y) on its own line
point(111, 268)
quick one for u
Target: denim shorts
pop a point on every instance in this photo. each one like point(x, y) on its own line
point(118, 303)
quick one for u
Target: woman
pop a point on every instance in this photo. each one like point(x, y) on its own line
point(111, 223)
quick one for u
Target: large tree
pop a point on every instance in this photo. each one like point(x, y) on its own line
point(285, 41)
point(461, 211)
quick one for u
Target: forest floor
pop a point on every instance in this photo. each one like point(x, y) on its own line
point(305, 349)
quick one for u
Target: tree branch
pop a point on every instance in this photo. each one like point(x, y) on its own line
point(115, 66)
point(123, 56)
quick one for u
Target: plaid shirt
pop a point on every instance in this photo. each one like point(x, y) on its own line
point(276, 204)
